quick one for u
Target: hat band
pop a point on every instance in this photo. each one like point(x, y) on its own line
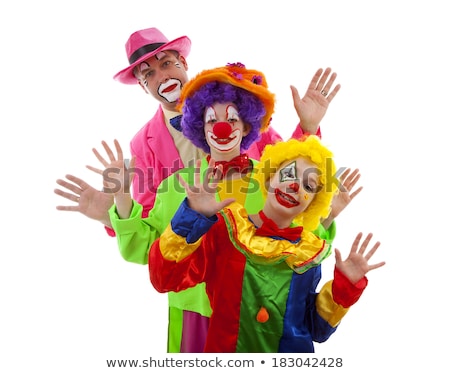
point(138, 53)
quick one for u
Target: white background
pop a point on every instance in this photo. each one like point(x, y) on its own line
point(68, 300)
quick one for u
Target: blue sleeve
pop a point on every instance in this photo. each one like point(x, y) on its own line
point(190, 224)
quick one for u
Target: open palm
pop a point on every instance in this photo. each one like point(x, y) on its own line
point(202, 194)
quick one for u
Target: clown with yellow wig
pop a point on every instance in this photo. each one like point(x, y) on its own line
point(262, 269)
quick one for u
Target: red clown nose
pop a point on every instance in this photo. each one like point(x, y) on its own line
point(222, 130)
point(295, 187)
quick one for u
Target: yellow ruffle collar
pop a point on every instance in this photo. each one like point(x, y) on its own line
point(309, 252)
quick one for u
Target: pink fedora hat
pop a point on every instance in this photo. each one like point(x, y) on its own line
point(146, 43)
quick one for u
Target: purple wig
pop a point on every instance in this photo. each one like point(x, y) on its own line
point(251, 111)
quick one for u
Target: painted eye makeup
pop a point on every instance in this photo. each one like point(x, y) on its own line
point(210, 115)
point(160, 55)
point(289, 173)
point(232, 114)
point(309, 188)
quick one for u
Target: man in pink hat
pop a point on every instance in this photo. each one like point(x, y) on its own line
point(159, 66)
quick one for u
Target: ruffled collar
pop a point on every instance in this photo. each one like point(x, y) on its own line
point(308, 252)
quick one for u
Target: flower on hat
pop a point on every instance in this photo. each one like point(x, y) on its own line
point(237, 64)
point(257, 79)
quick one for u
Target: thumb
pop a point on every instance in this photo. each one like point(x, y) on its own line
point(295, 94)
point(226, 202)
point(338, 256)
point(297, 100)
point(131, 167)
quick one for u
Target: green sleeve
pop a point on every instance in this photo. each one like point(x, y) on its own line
point(135, 235)
point(327, 234)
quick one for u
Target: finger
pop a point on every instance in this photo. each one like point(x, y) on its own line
point(118, 149)
point(356, 192)
point(315, 79)
point(100, 158)
point(213, 179)
point(295, 94)
point(352, 175)
point(216, 175)
point(364, 245)
point(73, 188)
point(68, 208)
point(198, 164)
point(342, 171)
point(342, 178)
point(132, 162)
point(338, 256)
point(323, 79)
point(109, 152)
point(225, 203)
point(329, 83)
point(372, 250)
point(182, 181)
point(333, 93)
point(96, 170)
point(375, 266)
point(70, 197)
point(351, 181)
point(344, 175)
point(131, 168)
point(64, 194)
point(356, 243)
point(76, 180)
point(211, 166)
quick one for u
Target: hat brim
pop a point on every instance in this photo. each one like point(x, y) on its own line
point(182, 45)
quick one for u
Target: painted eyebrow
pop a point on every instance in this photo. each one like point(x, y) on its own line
point(138, 70)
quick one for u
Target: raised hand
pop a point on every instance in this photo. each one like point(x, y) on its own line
point(89, 201)
point(344, 195)
point(314, 104)
point(202, 195)
point(356, 266)
point(117, 177)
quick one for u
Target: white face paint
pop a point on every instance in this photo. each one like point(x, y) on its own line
point(139, 72)
point(170, 90)
point(160, 55)
point(210, 115)
point(223, 113)
point(224, 145)
point(232, 114)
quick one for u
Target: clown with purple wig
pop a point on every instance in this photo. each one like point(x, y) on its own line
point(251, 108)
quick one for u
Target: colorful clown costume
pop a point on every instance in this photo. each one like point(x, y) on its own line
point(189, 310)
point(262, 289)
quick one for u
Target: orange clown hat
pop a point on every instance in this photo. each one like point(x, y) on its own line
point(238, 75)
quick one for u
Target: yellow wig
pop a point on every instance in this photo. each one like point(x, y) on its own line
point(313, 150)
